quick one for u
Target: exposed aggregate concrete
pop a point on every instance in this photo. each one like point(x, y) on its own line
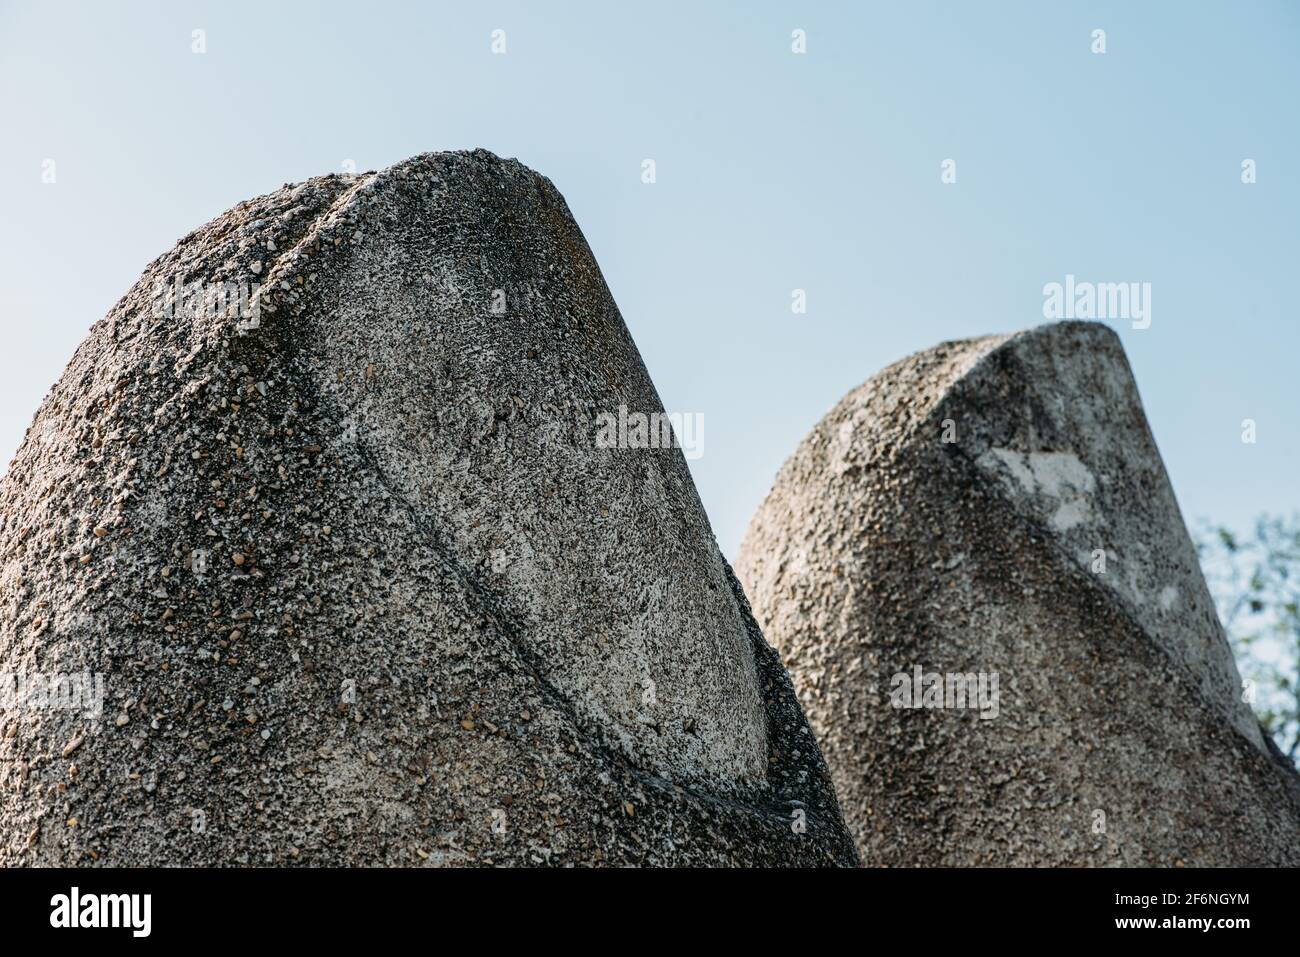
point(363, 588)
point(1120, 736)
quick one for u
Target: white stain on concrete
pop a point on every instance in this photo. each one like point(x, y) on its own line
point(1168, 596)
point(1014, 462)
point(1071, 513)
point(1060, 476)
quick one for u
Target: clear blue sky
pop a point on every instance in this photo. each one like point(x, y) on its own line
point(775, 171)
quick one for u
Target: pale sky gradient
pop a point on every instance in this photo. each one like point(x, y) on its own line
point(775, 172)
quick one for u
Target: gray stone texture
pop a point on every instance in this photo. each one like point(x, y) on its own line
point(1121, 735)
point(362, 585)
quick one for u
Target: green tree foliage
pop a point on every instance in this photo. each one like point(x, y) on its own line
point(1255, 582)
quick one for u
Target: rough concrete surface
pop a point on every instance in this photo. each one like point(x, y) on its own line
point(362, 586)
point(998, 506)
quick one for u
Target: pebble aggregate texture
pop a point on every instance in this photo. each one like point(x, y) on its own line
point(363, 587)
point(882, 546)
